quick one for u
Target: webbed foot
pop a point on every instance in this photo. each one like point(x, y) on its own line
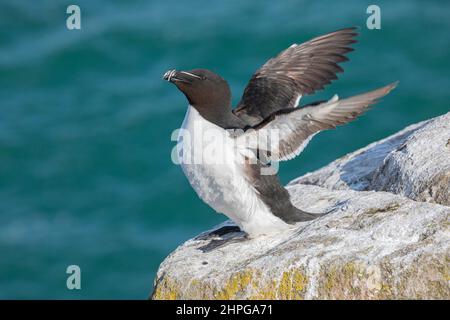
point(218, 232)
point(218, 243)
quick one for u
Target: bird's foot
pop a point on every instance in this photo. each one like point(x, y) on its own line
point(219, 232)
point(221, 237)
point(218, 243)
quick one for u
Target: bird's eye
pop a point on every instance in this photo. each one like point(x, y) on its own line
point(203, 78)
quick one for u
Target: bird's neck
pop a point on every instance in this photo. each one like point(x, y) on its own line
point(220, 115)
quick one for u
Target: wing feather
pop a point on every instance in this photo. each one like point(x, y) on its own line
point(297, 71)
point(287, 132)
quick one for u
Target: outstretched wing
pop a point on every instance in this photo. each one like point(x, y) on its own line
point(296, 71)
point(287, 132)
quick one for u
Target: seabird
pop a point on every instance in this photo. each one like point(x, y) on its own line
point(238, 186)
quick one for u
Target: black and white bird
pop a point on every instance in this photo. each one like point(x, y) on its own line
point(237, 187)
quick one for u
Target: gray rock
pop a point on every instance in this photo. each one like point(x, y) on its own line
point(374, 244)
point(414, 162)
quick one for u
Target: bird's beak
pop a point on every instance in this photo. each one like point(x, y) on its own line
point(169, 75)
point(175, 76)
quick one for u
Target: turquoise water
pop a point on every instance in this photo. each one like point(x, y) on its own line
point(85, 170)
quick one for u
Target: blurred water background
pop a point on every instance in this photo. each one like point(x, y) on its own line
point(85, 170)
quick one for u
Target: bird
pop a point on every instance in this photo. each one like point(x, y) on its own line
point(232, 175)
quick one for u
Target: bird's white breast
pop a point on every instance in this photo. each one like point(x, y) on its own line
point(214, 168)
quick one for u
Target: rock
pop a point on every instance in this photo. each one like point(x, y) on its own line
point(373, 245)
point(414, 162)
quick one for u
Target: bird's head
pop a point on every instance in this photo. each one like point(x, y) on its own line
point(202, 88)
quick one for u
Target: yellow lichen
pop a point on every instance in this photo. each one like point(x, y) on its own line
point(428, 277)
point(249, 284)
point(284, 288)
point(166, 289)
point(330, 280)
point(385, 291)
point(264, 291)
point(341, 280)
point(292, 285)
point(235, 285)
point(299, 283)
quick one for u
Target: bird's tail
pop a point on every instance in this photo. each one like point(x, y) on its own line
point(296, 215)
point(311, 216)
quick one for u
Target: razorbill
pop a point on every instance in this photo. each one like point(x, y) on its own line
point(227, 171)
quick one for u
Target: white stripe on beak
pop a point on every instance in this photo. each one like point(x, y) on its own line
point(169, 74)
point(191, 74)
